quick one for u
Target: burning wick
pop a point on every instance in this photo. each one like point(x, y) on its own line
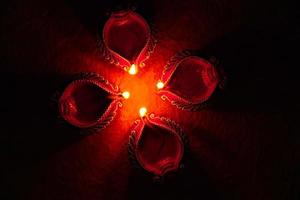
point(126, 95)
point(143, 111)
point(132, 70)
point(160, 85)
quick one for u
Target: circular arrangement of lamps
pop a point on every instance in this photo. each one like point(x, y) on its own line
point(156, 144)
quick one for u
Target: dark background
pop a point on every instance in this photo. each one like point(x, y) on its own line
point(245, 146)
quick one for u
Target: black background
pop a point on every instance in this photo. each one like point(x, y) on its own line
point(260, 55)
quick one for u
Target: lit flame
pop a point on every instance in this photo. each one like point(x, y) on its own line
point(133, 69)
point(160, 85)
point(126, 95)
point(143, 111)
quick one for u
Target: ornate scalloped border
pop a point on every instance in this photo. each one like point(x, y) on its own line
point(113, 57)
point(179, 102)
point(109, 113)
point(168, 124)
point(105, 119)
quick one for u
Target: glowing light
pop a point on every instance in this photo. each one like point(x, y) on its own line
point(126, 95)
point(160, 85)
point(133, 69)
point(143, 111)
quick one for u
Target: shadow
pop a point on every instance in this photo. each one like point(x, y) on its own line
point(261, 70)
point(215, 146)
point(30, 127)
point(94, 14)
point(187, 183)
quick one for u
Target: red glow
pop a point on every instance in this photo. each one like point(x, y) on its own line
point(142, 89)
point(228, 145)
point(157, 150)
